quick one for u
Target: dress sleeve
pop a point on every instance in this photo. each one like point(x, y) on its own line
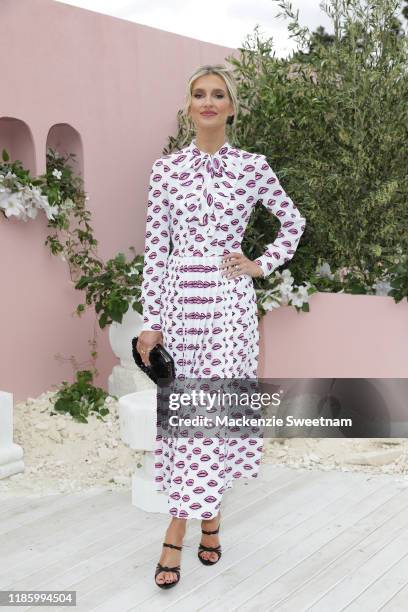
point(276, 200)
point(157, 242)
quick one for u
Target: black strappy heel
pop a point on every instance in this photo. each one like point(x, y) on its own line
point(216, 549)
point(164, 568)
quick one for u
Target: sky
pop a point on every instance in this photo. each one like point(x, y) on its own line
point(223, 22)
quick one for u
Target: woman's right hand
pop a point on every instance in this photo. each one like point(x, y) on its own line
point(146, 341)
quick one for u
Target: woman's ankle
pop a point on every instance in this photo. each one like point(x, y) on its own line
point(178, 526)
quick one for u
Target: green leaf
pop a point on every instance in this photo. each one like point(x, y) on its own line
point(84, 376)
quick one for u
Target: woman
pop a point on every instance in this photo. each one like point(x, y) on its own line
point(199, 300)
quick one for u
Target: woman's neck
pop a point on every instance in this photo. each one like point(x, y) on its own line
point(209, 143)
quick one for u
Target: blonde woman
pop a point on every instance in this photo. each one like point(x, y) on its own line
point(199, 300)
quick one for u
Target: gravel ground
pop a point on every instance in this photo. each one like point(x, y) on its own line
point(62, 455)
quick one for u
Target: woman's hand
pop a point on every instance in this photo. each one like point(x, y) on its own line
point(146, 341)
point(235, 264)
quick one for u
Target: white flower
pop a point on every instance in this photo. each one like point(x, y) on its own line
point(285, 279)
point(382, 287)
point(51, 211)
point(31, 212)
point(25, 203)
point(297, 300)
point(342, 273)
point(4, 195)
point(300, 297)
point(287, 276)
point(270, 303)
point(325, 271)
point(303, 293)
point(12, 204)
point(10, 175)
point(285, 298)
point(284, 294)
point(286, 291)
point(36, 191)
point(57, 173)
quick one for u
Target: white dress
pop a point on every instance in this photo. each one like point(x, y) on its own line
point(200, 204)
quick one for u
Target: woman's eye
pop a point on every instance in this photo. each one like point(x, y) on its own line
point(217, 95)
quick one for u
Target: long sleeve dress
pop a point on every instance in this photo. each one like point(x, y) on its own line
point(200, 204)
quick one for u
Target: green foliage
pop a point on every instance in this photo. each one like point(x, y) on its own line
point(336, 131)
point(109, 285)
point(399, 280)
point(82, 398)
point(76, 244)
point(113, 287)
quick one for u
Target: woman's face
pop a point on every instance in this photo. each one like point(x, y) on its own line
point(209, 95)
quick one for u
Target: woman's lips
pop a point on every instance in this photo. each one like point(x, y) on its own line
point(208, 114)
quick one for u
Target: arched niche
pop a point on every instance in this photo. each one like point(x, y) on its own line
point(17, 139)
point(65, 139)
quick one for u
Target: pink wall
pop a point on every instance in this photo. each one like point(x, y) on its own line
point(342, 336)
point(119, 85)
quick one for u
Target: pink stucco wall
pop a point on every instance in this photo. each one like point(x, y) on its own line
point(119, 85)
point(342, 336)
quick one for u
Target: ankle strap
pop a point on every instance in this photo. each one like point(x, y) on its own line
point(210, 532)
point(172, 546)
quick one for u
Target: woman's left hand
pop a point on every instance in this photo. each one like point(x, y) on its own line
point(235, 264)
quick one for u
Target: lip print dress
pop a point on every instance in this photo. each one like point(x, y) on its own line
point(200, 203)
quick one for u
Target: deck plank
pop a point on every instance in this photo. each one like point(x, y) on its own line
point(380, 593)
point(36, 509)
point(397, 603)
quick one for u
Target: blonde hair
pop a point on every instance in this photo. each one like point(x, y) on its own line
point(229, 80)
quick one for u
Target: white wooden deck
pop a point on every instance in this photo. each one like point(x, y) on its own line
point(294, 540)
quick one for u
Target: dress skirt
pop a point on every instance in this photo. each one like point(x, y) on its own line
point(210, 327)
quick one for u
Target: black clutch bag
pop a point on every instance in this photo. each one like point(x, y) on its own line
point(161, 370)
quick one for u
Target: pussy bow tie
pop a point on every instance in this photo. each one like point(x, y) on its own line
point(224, 165)
point(215, 164)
